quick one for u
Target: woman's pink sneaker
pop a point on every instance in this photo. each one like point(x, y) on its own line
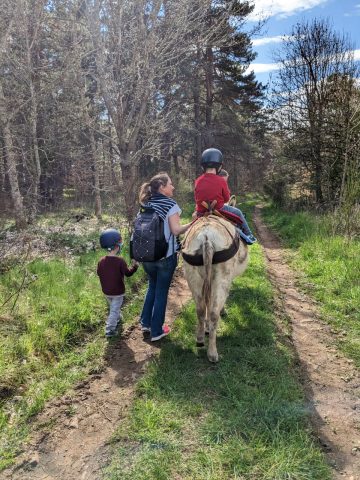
point(166, 331)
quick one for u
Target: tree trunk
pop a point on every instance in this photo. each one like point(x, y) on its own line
point(37, 165)
point(318, 188)
point(16, 196)
point(197, 118)
point(209, 66)
point(130, 189)
point(97, 195)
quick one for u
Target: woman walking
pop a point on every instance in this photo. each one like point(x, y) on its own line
point(157, 194)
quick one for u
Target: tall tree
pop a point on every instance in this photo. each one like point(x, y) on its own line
point(314, 61)
point(137, 47)
point(9, 151)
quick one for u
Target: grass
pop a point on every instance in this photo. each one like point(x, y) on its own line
point(328, 268)
point(53, 335)
point(244, 418)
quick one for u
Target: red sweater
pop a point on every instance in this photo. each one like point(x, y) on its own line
point(111, 271)
point(209, 187)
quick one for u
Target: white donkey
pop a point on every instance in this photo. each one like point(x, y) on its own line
point(213, 256)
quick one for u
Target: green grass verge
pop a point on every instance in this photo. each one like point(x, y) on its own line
point(53, 337)
point(328, 268)
point(244, 418)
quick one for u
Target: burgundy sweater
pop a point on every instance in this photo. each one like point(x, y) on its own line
point(111, 271)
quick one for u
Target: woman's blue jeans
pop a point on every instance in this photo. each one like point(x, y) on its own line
point(159, 275)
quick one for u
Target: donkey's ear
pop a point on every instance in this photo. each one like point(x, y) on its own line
point(232, 201)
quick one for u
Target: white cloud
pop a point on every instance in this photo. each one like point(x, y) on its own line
point(269, 67)
point(282, 8)
point(264, 41)
point(355, 12)
point(356, 54)
point(262, 67)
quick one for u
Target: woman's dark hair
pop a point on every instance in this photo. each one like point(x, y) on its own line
point(150, 188)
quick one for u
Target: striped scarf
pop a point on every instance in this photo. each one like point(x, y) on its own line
point(162, 204)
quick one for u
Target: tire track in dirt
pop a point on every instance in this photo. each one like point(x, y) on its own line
point(75, 445)
point(330, 381)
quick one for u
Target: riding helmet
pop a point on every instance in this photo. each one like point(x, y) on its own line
point(110, 238)
point(211, 158)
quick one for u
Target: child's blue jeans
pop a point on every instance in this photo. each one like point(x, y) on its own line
point(244, 226)
point(115, 302)
point(159, 275)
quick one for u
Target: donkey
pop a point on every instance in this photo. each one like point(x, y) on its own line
point(213, 256)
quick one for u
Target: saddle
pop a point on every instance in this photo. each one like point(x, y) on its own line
point(222, 255)
point(211, 210)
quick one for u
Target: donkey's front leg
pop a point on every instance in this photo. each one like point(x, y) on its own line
point(212, 351)
point(201, 315)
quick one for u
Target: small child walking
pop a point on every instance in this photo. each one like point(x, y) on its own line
point(111, 270)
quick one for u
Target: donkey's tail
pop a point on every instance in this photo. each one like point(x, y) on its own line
point(208, 253)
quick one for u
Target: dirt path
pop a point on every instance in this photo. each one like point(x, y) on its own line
point(332, 384)
point(74, 445)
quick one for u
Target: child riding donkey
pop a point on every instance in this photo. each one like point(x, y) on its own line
point(212, 193)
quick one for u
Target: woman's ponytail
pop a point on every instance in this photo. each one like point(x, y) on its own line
point(150, 188)
point(145, 193)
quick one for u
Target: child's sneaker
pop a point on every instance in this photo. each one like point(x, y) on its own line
point(166, 331)
point(252, 238)
point(111, 334)
point(249, 239)
point(145, 329)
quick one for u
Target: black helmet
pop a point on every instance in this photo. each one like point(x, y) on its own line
point(110, 238)
point(211, 158)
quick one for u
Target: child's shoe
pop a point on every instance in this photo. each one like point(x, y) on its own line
point(111, 333)
point(166, 331)
point(249, 239)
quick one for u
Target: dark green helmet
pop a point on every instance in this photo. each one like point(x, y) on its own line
point(211, 158)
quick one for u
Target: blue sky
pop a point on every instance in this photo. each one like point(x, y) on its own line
point(344, 15)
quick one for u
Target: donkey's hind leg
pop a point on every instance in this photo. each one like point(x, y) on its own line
point(201, 315)
point(212, 350)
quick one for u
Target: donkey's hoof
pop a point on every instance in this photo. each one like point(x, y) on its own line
point(200, 344)
point(213, 358)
